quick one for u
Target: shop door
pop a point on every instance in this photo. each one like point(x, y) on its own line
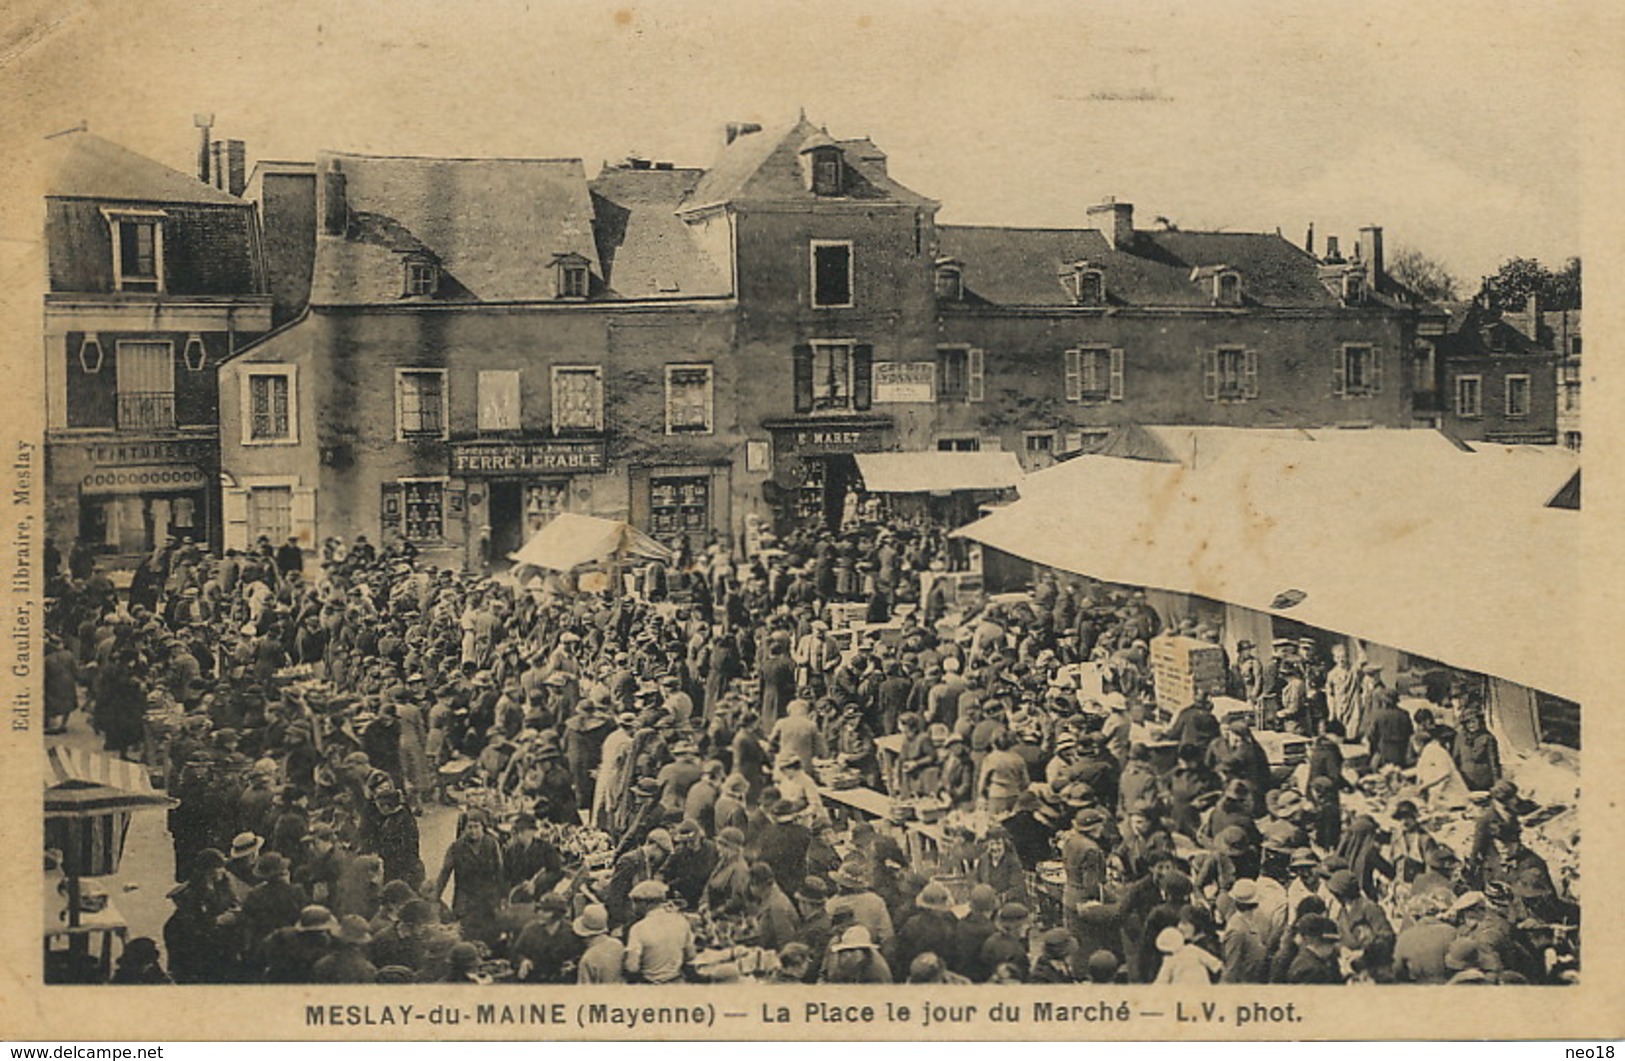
point(840, 479)
point(507, 509)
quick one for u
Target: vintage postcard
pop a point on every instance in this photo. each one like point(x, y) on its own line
point(852, 521)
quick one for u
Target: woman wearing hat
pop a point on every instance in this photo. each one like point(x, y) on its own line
point(139, 964)
point(347, 962)
point(856, 959)
point(200, 949)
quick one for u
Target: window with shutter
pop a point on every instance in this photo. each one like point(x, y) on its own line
point(953, 374)
point(688, 399)
point(1230, 368)
point(1073, 360)
point(1355, 374)
point(1249, 383)
point(803, 377)
point(420, 403)
point(975, 385)
point(831, 375)
point(578, 398)
point(1376, 369)
point(234, 516)
point(1210, 375)
point(1117, 375)
point(863, 388)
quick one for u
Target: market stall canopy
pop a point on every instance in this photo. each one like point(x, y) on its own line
point(89, 798)
point(1403, 537)
point(80, 783)
point(570, 541)
point(936, 472)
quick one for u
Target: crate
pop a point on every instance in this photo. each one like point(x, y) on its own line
point(1183, 668)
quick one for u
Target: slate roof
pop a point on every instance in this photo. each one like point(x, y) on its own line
point(766, 166)
point(82, 165)
point(1025, 266)
point(646, 249)
point(493, 225)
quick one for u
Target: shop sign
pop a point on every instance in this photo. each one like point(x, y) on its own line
point(169, 451)
point(905, 381)
point(551, 456)
point(815, 440)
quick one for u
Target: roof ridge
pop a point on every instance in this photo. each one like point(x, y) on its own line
point(453, 158)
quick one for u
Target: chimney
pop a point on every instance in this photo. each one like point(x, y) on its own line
point(236, 167)
point(734, 130)
point(203, 122)
point(334, 209)
point(1333, 254)
point(1119, 228)
point(1371, 251)
point(1309, 240)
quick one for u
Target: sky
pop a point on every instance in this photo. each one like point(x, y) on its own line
point(1453, 125)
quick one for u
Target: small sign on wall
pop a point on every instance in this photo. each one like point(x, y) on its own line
point(758, 456)
point(905, 381)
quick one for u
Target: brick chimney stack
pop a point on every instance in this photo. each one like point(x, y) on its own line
point(203, 122)
point(1371, 252)
point(1118, 228)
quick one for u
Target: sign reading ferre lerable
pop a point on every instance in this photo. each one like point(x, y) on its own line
point(540, 456)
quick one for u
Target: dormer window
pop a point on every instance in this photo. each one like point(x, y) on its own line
point(1227, 288)
point(1090, 287)
point(1353, 289)
point(422, 277)
point(822, 166)
point(138, 249)
point(572, 276)
point(950, 280)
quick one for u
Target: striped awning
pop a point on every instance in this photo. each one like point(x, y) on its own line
point(80, 783)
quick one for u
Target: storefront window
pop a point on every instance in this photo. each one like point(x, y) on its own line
point(423, 510)
point(679, 504)
point(543, 501)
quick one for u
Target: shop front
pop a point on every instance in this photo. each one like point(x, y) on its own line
point(815, 468)
point(134, 497)
point(516, 487)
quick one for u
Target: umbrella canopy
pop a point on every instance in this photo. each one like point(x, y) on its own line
point(570, 541)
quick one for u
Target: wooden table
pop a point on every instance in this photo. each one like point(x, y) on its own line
point(106, 922)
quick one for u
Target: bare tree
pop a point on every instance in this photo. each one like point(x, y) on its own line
point(1424, 275)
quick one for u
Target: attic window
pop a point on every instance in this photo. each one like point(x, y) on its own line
point(1089, 286)
point(825, 171)
point(1353, 289)
point(572, 276)
point(422, 277)
point(1227, 288)
point(950, 281)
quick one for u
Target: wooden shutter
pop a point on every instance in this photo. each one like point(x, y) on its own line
point(1116, 393)
point(1339, 367)
point(1374, 370)
point(1249, 374)
point(1074, 375)
point(1210, 375)
point(974, 375)
point(302, 522)
point(863, 376)
point(234, 514)
point(804, 378)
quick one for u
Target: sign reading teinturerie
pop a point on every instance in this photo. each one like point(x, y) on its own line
point(552, 455)
point(905, 381)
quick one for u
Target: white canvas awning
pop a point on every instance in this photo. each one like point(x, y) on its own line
point(570, 541)
point(937, 472)
point(1398, 537)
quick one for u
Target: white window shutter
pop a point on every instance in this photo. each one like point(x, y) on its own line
point(598, 382)
point(234, 515)
point(974, 383)
point(302, 516)
point(1250, 374)
point(1374, 370)
point(1210, 375)
point(1340, 360)
point(1116, 392)
point(710, 400)
point(1074, 375)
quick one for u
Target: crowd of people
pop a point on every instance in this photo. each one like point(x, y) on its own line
point(651, 784)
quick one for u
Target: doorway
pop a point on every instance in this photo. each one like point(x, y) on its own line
point(507, 512)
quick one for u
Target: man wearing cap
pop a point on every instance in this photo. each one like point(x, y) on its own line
point(678, 776)
point(930, 928)
point(642, 863)
point(660, 942)
point(1476, 753)
point(603, 959)
point(1008, 943)
point(1245, 938)
point(530, 860)
point(346, 962)
point(291, 953)
point(1317, 959)
point(689, 866)
point(1085, 862)
point(547, 947)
